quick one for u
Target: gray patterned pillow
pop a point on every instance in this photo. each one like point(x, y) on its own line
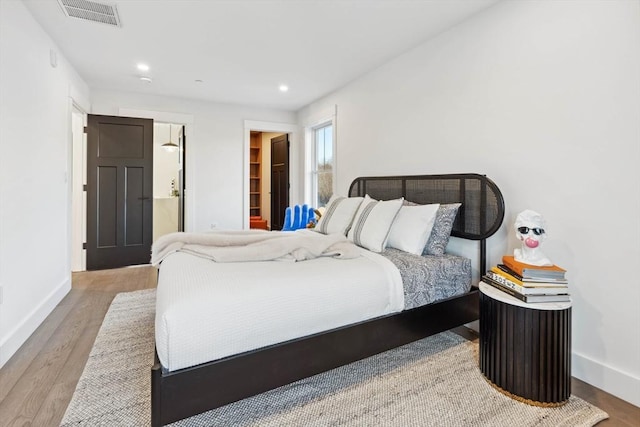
point(441, 231)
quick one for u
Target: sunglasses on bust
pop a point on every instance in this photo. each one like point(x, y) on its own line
point(536, 231)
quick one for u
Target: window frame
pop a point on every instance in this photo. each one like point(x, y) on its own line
point(311, 170)
point(315, 172)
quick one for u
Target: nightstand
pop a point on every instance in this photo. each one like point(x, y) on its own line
point(525, 349)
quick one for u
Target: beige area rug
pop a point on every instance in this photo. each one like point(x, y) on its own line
point(432, 382)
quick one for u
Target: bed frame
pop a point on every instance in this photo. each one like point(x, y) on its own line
point(190, 391)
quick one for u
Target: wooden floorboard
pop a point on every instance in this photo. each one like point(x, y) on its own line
point(621, 413)
point(57, 400)
point(25, 400)
point(16, 366)
point(39, 380)
point(37, 383)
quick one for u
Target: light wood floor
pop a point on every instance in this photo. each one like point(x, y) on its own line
point(37, 383)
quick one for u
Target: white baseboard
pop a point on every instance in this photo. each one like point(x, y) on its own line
point(10, 343)
point(615, 382)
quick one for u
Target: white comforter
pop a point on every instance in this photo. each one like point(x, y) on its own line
point(207, 310)
point(254, 245)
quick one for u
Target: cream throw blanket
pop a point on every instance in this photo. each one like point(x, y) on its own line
point(254, 245)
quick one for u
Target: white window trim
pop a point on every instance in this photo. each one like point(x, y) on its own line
point(328, 118)
point(313, 171)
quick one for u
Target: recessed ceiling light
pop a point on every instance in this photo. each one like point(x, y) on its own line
point(146, 79)
point(143, 67)
point(283, 88)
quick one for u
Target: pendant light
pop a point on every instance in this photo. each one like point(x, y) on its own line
point(170, 146)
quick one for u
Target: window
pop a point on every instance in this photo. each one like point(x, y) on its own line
point(320, 157)
point(323, 164)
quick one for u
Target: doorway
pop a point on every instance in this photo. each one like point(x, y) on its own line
point(163, 133)
point(168, 178)
point(119, 191)
point(262, 213)
point(296, 155)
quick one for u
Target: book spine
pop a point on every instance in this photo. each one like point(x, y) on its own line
point(529, 299)
point(527, 283)
point(505, 282)
point(527, 271)
point(516, 268)
point(504, 289)
point(506, 276)
point(509, 271)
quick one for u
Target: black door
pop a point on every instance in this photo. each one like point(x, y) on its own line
point(279, 180)
point(119, 191)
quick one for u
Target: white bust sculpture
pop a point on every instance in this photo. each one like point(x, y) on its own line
point(530, 231)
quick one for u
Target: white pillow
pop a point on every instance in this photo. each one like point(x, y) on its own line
point(412, 227)
point(372, 222)
point(338, 215)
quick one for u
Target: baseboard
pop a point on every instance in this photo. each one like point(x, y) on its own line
point(615, 382)
point(16, 337)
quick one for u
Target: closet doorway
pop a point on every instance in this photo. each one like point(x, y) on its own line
point(295, 186)
point(268, 179)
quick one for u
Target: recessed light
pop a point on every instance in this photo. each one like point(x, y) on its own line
point(143, 67)
point(283, 88)
point(146, 79)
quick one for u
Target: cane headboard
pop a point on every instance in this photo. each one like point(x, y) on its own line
point(479, 217)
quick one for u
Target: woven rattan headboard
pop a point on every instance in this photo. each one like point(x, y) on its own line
point(482, 209)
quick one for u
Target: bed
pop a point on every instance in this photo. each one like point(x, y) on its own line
point(189, 382)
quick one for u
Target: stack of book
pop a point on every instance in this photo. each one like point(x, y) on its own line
point(529, 283)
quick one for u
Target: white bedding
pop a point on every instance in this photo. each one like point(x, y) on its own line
point(254, 245)
point(207, 310)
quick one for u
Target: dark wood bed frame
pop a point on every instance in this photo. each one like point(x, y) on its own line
point(190, 391)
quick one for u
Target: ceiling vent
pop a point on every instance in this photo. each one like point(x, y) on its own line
point(91, 11)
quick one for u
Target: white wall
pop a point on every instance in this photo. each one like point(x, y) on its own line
point(544, 98)
point(214, 151)
point(35, 189)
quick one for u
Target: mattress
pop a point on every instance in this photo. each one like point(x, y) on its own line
point(207, 311)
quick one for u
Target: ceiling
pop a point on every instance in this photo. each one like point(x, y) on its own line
point(242, 50)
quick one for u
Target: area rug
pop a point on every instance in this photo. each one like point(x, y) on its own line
point(432, 382)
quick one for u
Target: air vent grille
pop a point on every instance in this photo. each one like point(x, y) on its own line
point(91, 11)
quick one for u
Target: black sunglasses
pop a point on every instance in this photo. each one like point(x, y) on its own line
point(536, 231)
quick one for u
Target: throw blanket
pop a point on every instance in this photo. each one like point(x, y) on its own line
point(254, 245)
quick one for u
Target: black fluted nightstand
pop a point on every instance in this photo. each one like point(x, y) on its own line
point(525, 349)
